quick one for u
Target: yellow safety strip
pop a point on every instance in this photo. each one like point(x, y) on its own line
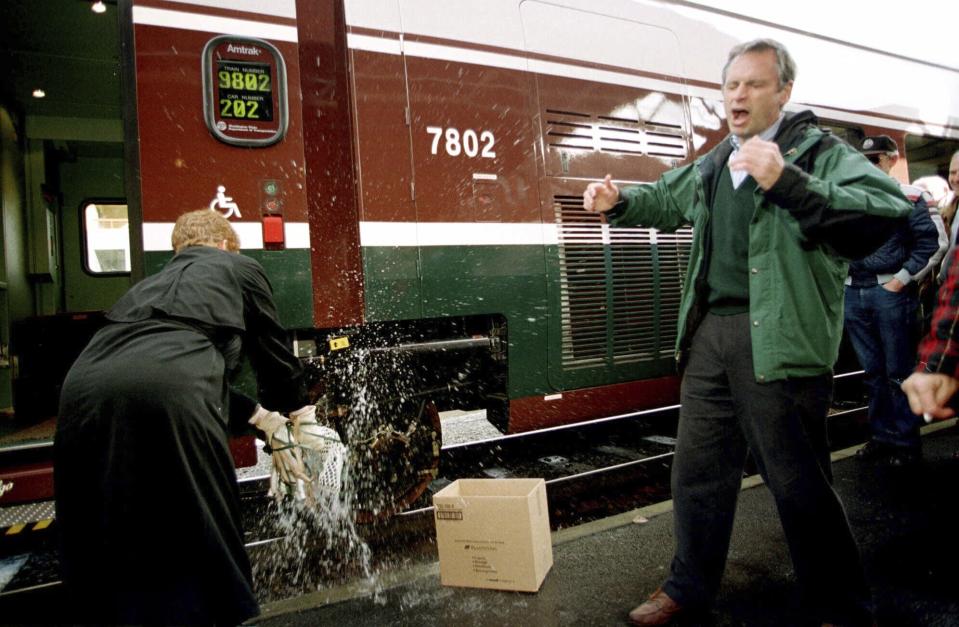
point(34, 526)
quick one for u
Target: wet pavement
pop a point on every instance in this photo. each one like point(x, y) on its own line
point(904, 520)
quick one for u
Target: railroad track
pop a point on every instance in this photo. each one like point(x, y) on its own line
point(592, 470)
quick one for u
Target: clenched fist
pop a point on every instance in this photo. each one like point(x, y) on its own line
point(761, 160)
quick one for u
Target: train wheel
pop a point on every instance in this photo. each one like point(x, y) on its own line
point(394, 456)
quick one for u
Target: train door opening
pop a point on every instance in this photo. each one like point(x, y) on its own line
point(66, 236)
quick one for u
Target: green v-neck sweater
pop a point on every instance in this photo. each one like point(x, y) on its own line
point(728, 275)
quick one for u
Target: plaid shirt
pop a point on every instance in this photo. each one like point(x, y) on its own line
point(939, 351)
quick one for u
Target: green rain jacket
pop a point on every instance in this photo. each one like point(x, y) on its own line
point(828, 206)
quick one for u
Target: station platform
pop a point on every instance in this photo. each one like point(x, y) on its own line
point(906, 522)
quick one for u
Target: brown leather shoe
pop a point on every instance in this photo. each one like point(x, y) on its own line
point(658, 610)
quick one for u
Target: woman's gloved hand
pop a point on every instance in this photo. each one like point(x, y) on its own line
point(323, 452)
point(288, 465)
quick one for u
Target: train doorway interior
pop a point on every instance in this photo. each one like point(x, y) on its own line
point(64, 222)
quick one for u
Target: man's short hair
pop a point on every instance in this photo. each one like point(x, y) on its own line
point(784, 61)
point(203, 227)
point(879, 145)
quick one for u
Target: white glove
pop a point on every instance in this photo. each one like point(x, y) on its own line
point(288, 466)
point(323, 451)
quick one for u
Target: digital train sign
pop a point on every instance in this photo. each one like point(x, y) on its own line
point(244, 91)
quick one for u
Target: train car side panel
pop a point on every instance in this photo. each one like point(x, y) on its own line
point(183, 166)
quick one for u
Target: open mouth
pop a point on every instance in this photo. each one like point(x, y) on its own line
point(739, 116)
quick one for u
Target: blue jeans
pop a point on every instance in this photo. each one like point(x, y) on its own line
point(881, 326)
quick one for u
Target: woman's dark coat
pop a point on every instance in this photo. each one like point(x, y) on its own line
point(146, 493)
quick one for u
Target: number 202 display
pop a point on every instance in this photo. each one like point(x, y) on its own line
point(244, 91)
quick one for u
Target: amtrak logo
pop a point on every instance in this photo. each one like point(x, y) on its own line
point(240, 49)
point(5, 487)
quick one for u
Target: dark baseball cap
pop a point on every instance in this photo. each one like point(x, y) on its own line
point(878, 144)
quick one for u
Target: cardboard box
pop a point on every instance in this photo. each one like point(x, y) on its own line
point(493, 533)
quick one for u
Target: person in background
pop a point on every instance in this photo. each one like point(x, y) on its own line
point(147, 501)
point(936, 379)
point(948, 207)
point(932, 388)
point(775, 208)
point(938, 190)
point(935, 191)
point(881, 306)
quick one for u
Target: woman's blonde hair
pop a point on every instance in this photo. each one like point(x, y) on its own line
point(203, 227)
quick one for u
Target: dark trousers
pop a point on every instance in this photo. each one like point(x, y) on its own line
point(882, 327)
point(725, 411)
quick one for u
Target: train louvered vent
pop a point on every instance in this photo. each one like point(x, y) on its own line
point(619, 288)
point(582, 131)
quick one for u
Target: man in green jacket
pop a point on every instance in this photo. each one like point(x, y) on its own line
point(777, 209)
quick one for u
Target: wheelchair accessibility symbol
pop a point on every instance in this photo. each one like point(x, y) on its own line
point(224, 204)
